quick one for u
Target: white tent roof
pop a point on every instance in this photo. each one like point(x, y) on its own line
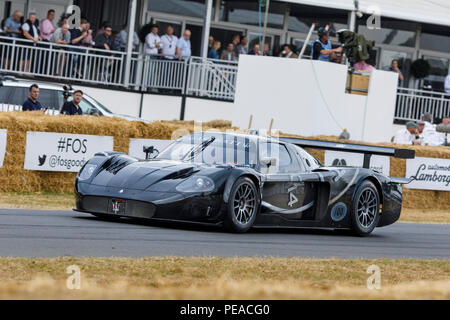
point(426, 11)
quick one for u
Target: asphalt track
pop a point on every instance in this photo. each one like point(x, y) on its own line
point(33, 233)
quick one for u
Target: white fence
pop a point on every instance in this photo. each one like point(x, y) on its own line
point(412, 104)
point(193, 76)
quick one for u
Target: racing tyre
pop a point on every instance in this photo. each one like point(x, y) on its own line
point(243, 205)
point(366, 209)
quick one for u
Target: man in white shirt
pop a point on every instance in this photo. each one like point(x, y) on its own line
point(169, 44)
point(153, 42)
point(428, 133)
point(407, 135)
point(447, 84)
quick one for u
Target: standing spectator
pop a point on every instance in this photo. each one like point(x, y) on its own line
point(266, 51)
point(153, 42)
point(322, 47)
point(447, 84)
point(61, 36)
point(105, 41)
point(255, 50)
point(102, 29)
point(228, 54)
point(214, 52)
point(12, 29)
point(122, 39)
point(363, 66)
point(235, 41)
point(288, 53)
point(395, 68)
point(12, 24)
point(77, 36)
point(73, 107)
point(169, 44)
point(89, 40)
point(184, 46)
point(47, 27)
point(32, 103)
point(408, 135)
point(210, 42)
point(242, 48)
point(30, 32)
point(64, 19)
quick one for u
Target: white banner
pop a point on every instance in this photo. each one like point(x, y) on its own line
point(3, 139)
point(136, 148)
point(428, 173)
point(338, 158)
point(49, 151)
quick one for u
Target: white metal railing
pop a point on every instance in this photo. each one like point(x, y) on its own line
point(193, 76)
point(212, 78)
point(24, 57)
point(413, 103)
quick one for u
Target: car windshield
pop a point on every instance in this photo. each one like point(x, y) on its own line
point(100, 105)
point(213, 148)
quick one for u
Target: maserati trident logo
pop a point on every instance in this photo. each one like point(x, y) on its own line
point(116, 206)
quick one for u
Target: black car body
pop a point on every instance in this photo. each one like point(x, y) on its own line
point(241, 181)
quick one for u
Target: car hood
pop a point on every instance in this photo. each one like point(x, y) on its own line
point(156, 175)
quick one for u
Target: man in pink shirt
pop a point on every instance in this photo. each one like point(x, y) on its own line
point(47, 28)
point(363, 66)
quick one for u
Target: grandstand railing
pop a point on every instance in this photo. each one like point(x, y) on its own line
point(413, 103)
point(64, 62)
point(194, 76)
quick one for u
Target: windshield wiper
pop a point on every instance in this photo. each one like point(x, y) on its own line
point(197, 149)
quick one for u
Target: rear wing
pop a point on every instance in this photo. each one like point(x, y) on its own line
point(368, 151)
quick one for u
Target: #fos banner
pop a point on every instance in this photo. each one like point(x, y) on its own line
point(48, 151)
point(337, 158)
point(3, 134)
point(136, 148)
point(428, 173)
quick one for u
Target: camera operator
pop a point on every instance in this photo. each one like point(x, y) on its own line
point(322, 48)
point(73, 107)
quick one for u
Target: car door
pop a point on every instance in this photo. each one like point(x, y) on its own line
point(284, 191)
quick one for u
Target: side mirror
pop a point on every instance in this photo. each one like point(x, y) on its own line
point(149, 151)
point(269, 162)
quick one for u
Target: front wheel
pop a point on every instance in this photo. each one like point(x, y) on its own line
point(366, 209)
point(243, 205)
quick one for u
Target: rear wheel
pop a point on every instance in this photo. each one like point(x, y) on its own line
point(366, 209)
point(243, 205)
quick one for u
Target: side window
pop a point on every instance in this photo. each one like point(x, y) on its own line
point(279, 152)
point(47, 99)
point(18, 96)
point(310, 162)
point(4, 95)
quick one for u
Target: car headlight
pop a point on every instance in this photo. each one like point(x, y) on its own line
point(196, 184)
point(87, 171)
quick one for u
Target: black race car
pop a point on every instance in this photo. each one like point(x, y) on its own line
point(242, 181)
